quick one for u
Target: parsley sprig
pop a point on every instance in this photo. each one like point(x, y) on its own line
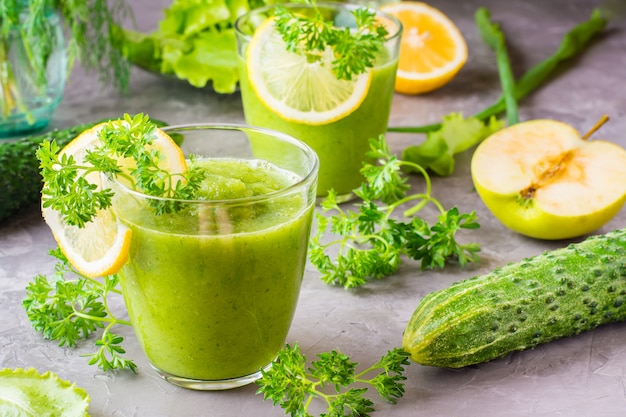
point(372, 242)
point(334, 378)
point(69, 307)
point(355, 50)
point(68, 189)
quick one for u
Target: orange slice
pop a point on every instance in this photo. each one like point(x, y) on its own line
point(432, 49)
point(101, 247)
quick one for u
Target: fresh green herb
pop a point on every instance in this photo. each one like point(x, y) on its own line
point(67, 189)
point(89, 23)
point(333, 377)
point(573, 43)
point(371, 242)
point(69, 307)
point(492, 35)
point(456, 135)
point(355, 50)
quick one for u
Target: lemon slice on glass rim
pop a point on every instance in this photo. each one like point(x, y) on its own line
point(300, 88)
point(101, 247)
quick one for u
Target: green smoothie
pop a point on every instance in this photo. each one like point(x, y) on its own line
point(340, 145)
point(211, 290)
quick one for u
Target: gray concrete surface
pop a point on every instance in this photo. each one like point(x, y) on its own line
point(579, 376)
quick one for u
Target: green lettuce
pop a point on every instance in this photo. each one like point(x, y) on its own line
point(195, 42)
point(26, 393)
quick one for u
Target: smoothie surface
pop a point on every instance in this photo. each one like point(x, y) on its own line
point(231, 179)
point(211, 212)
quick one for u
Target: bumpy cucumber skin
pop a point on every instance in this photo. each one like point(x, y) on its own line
point(521, 305)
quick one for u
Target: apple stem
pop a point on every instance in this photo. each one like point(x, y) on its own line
point(595, 127)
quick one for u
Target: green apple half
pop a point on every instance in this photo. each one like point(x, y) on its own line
point(542, 179)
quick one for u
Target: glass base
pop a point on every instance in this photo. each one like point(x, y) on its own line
point(22, 124)
point(212, 385)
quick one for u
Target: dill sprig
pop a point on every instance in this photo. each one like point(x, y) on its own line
point(90, 25)
point(355, 49)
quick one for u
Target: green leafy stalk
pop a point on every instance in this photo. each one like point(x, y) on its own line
point(355, 50)
point(371, 242)
point(492, 35)
point(69, 307)
point(574, 42)
point(333, 378)
point(68, 190)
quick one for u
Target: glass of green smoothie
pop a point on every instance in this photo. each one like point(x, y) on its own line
point(211, 284)
point(317, 91)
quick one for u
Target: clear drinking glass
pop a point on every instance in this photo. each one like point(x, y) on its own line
point(211, 288)
point(341, 144)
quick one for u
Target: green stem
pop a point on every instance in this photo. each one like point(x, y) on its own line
point(494, 38)
point(420, 169)
point(111, 320)
point(425, 197)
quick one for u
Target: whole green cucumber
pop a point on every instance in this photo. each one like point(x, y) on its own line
point(20, 180)
point(521, 305)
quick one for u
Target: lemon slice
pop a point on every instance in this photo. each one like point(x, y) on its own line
point(297, 87)
point(432, 48)
point(101, 247)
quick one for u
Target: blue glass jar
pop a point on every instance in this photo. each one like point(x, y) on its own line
point(32, 74)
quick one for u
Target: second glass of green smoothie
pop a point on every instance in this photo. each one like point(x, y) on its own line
point(211, 284)
point(297, 93)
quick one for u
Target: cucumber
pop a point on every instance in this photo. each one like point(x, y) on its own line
point(20, 180)
point(516, 307)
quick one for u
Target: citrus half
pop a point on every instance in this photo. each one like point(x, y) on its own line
point(432, 48)
point(300, 88)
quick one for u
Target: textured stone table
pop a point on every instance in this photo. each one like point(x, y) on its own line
point(579, 376)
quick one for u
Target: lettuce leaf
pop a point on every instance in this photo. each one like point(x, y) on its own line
point(195, 42)
point(26, 393)
point(456, 134)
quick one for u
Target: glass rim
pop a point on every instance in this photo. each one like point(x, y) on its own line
point(319, 4)
point(311, 174)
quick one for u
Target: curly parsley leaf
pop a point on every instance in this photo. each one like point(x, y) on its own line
point(332, 378)
point(370, 242)
point(355, 49)
point(68, 190)
point(68, 307)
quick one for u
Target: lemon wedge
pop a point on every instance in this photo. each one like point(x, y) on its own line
point(101, 247)
point(300, 88)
